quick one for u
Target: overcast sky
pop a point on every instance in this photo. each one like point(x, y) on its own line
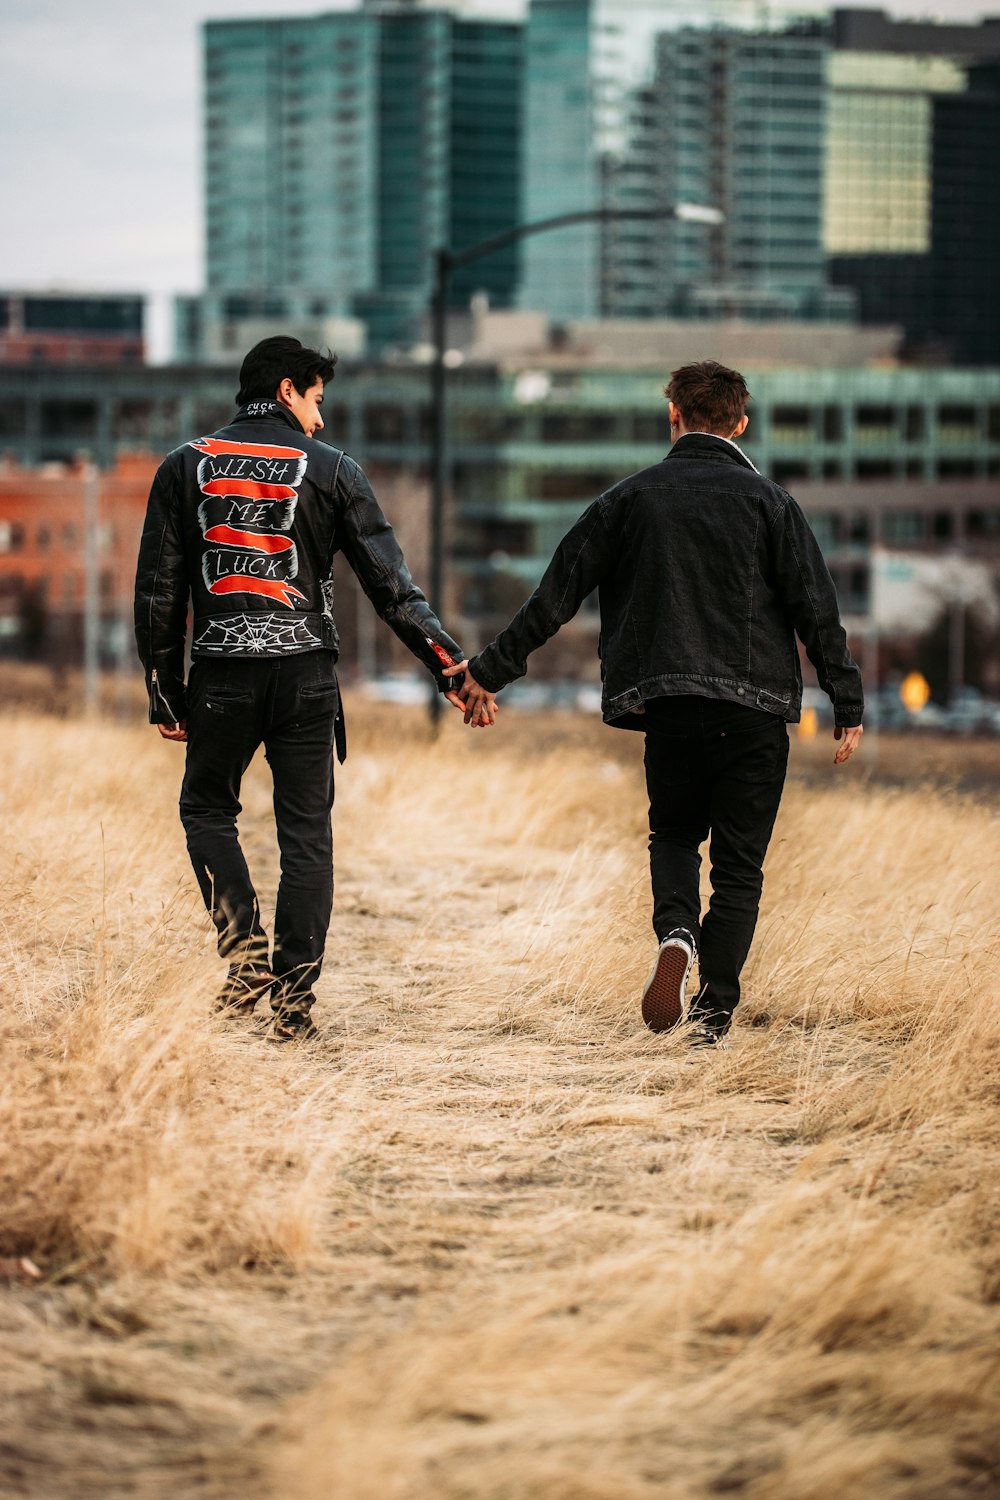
point(100, 114)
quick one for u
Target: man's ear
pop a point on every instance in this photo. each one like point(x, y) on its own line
point(741, 427)
point(672, 413)
point(284, 392)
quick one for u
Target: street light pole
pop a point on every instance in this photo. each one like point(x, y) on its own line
point(442, 267)
point(447, 260)
point(91, 594)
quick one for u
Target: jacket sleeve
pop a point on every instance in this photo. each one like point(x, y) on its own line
point(371, 548)
point(810, 600)
point(583, 557)
point(161, 599)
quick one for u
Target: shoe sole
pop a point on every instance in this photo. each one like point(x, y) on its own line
point(663, 998)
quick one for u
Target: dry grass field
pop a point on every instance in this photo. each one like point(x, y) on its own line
point(488, 1239)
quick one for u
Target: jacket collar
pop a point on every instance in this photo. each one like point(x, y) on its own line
point(268, 411)
point(708, 445)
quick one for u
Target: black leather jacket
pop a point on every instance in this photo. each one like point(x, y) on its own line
point(706, 571)
point(246, 523)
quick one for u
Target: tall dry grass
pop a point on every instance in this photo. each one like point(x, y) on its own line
point(488, 1237)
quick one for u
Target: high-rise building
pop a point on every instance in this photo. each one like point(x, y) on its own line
point(340, 149)
point(734, 119)
point(965, 220)
point(907, 144)
point(628, 106)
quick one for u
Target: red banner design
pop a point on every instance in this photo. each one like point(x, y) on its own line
point(238, 583)
point(252, 540)
point(251, 489)
point(216, 448)
point(444, 657)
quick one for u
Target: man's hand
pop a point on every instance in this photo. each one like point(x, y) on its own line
point(851, 739)
point(453, 697)
point(178, 732)
point(480, 706)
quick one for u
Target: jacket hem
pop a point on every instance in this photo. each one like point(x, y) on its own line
point(625, 710)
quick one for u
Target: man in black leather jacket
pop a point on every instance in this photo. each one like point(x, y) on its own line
point(244, 524)
point(706, 572)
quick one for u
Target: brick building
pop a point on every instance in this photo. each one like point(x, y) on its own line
point(71, 328)
point(43, 554)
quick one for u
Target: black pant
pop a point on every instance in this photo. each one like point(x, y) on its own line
point(289, 704)
point(712, 768)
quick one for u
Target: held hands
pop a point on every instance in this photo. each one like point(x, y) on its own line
point(851, 738)
point(480, 706)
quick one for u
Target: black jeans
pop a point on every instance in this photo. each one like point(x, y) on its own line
point(712, 768)
point(290, 705)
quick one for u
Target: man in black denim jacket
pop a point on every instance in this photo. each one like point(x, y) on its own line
point(706, 571)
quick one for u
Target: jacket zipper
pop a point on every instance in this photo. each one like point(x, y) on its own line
point(162, 697)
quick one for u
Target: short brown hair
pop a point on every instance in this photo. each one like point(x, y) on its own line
point(710, 397)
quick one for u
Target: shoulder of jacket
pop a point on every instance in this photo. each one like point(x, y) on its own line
point(779, 497)
point(172, 464)
point(627, 488)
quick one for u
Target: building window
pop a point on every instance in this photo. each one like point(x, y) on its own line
point(577, 427)
point(650, 429)
point(484, 539)
point(902, 527)
point(874, 468)
point(791, 423)
point(983, 524)
point(384, 424)
point(875, 421)
point(957, 423)
point(833, 424)
point(11, 536)
point(942, 526)
point(572, 484)
point(786, 473)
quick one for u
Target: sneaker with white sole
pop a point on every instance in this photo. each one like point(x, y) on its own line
point(705, 1034)
point(664, 1000)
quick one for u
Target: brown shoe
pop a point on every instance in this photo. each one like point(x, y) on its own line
point(292, 1026)
point(245, 985)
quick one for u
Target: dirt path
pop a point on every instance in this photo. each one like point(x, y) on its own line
point(506, 1242)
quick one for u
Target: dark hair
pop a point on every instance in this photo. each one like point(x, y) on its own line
point(710, 397)
point(270, 361)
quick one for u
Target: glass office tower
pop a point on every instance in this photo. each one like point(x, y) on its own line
point(910, 206)
point(631, 106)
point(878, 150)
point(340, 149)
point(734, 120)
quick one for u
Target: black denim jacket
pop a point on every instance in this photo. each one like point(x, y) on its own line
point(245, 524)
point(706, 571)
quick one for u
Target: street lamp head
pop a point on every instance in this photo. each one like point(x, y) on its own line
point(699, 213)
